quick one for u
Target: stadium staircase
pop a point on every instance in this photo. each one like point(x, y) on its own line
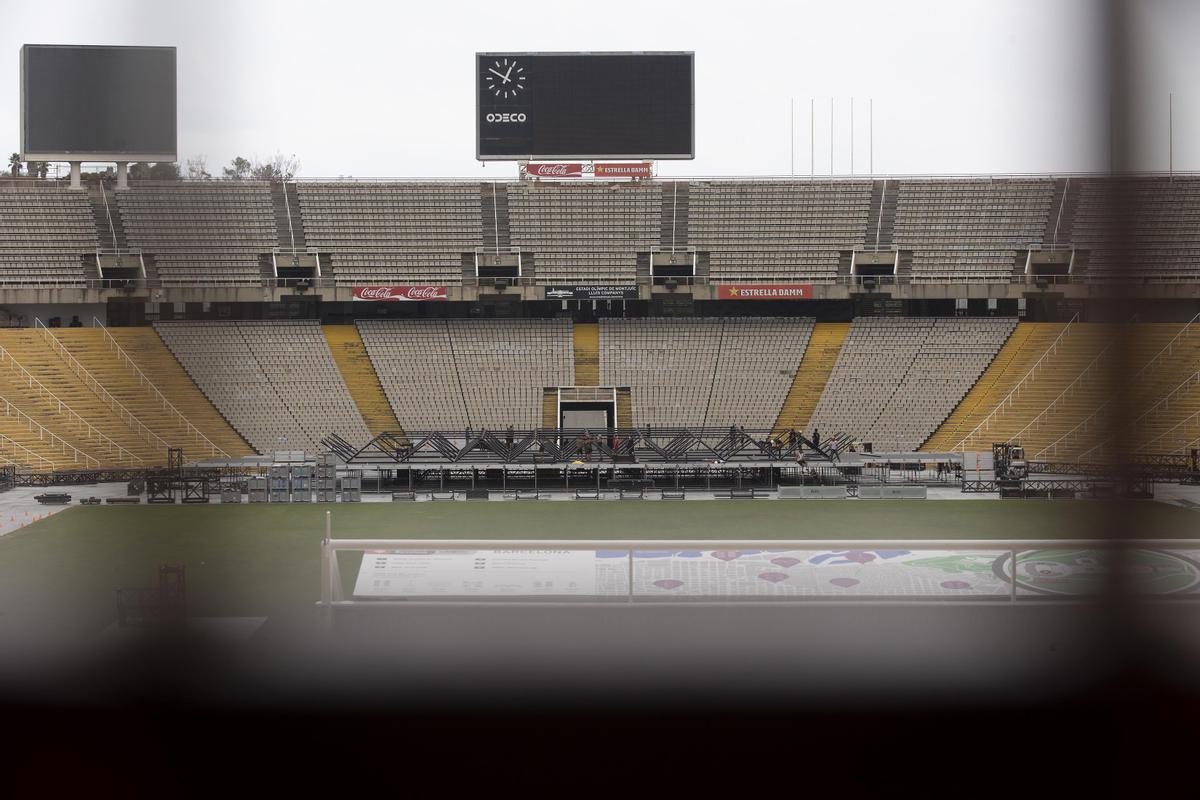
point(624, 407)
point(550, 408)
point(674, 226)
point(494, 215)
point(109, 227)
point(819, 358)
point(586, 338)
point(350, 355)
point(882, 218)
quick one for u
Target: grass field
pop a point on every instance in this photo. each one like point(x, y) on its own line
point(264, 560)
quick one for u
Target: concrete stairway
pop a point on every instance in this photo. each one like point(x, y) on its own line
point(819, 358)
point(549, 408)
point(624, 408)
point(587, 353)
point(350, 355)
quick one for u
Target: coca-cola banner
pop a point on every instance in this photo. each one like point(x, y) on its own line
point(377, 294)
point(555, 170)
point(765, 291)
point(623, 171)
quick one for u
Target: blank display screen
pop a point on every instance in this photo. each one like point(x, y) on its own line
point(98, 100)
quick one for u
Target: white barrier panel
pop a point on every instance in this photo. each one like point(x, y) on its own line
point(812, 492)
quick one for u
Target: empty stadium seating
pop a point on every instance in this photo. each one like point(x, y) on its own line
point(897, 379)
point(201, 233)
point(1143, 227)
point(777, 230)
point(393, 232)
point(43, 234)
point(695, 372)
point(276, 382)
point(970, 230)
point(457, 374)
point(585, 233)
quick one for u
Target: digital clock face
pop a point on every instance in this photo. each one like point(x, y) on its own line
point(505, 78)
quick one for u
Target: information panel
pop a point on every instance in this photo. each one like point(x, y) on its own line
point(585, 105)
point(98, 103)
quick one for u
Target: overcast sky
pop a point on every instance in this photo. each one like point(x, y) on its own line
point(386, 88)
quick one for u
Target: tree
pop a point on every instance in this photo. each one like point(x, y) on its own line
point(197, 169)
point(162, 171)
point(238, 169)
point(37, 169)
point(278, 168)
point(14, 164)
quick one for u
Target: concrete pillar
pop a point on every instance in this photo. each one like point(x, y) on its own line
point(76, 181)
point(122, 176)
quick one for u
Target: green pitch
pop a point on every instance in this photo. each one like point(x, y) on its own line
point(263, 560)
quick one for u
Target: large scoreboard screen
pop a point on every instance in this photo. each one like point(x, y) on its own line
point(585, 105)
point(98, 103)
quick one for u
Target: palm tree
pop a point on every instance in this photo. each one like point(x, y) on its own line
point(14, 163)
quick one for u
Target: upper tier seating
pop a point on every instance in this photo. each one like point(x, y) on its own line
point(1139, 227)
point(207, 233)
point(275, 381)
point(897, 379)
point(768, 230)
point(694, 372)
point(43, 233)
point(451, 375)
point(393, 232)
point(585, 233)
point(961, 230)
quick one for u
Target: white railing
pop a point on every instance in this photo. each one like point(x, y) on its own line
point(145, 381)
point(1064, 393)
point(43, 432)
point(90, 381)
point(16, 447)
point(64, 408)
point(1016, 390)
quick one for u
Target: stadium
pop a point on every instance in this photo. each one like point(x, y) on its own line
point(421, 416)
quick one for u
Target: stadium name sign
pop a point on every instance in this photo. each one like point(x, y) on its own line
point(765, 291)
point(591, 293)
point(378, 294)
point(643, 170)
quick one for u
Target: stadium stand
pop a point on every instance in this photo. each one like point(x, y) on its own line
point(141, 374)
point(819, 357)
point(44, 232)
point(968, 229)
point(897, 379)
point(43, 386)
point(350, 355)
point(585, 233)
point(201, 233)
point(393, 232)
point(764, 230)
point(695, 372)
point(586, 339)
point(1148, 225)
point(276, 382)
point(457, 374)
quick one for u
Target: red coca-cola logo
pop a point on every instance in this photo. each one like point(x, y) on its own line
point(380, 293)
point(555, 170)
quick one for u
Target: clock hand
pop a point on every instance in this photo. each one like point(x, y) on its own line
point(498, 75)
point(510, 69)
